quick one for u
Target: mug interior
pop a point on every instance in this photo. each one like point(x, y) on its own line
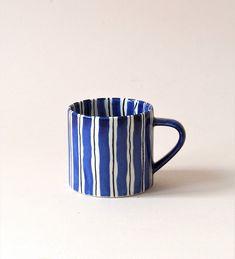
point(111, 107)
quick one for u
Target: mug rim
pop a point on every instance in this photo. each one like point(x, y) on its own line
point(150, 108)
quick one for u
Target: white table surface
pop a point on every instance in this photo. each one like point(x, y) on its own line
point(179, 56)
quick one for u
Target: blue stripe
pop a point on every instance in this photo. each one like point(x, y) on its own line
point(104, 157)
point(147, 149)
point(122, 155)
point(101, 107)
point(87, 107)
point(75, 150)
point(137, 153)
point(146, 107)
point(76, 107)
point(86, 136)
point(116, 107)
point(140, 107)
point(130, 107)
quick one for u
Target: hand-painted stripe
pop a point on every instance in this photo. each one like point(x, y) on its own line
point(75, 151)
point(76, 107)
point(106, 105)
point(94, 156)
point(116, 107)
point(80, 154)
point(101, 107)
point(129, 156)
point(122, 155)
point(132, 172)
point(97, 153)
point(87, 155)
point(104, 157)
point(115, 156)
point(137, 153)
point(143, 151)
point(71, 142)
point(110, 107)
point(87, 107)
point(130, 108)
point(128, 176)
point(124, 107)
point(94, 108)
point(135, 107)
point(111, 184)
point(81, 107)
point(140, 107)
point(113, 159)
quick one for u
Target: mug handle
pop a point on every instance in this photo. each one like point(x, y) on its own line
point(182, 135)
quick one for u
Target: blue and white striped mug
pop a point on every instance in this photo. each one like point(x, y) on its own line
point(111, 146)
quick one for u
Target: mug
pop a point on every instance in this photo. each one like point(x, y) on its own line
point(111, 146)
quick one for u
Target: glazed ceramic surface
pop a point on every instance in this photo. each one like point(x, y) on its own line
point(111, 146)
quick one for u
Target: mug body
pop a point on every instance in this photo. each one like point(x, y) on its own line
point(110, 146)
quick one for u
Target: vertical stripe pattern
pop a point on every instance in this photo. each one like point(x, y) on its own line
point(110, 146)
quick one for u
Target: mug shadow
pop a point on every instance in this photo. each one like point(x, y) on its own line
point(191, 183)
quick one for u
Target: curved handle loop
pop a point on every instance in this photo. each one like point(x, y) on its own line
point(182, 135)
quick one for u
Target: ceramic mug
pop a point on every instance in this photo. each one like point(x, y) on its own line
point(111, 146)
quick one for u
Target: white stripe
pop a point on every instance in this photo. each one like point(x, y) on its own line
point(143, 150)
point(132, 190)
point(115, 157)
point(135, 106)
point(71, 149)
point(97, 152)
point(128, 157)
point(111, 158)
point(111, 106)
point(121, 102)
point(96, 109)
point(92, 108)
point(78, 158)
point(92, 155)
point(106, 107)
point(125, 107)
point(82, 169)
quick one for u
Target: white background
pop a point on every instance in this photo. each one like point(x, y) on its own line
point(177, 55)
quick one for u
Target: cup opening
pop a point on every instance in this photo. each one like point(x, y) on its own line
point(110, 107)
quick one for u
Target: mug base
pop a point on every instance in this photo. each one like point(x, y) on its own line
point(118, 196)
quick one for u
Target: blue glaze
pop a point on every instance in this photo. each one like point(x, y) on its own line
point(122, 156)
point(101, 107)
point(182, 136)
point(137, 154)
point(147, 151)
point(116, 107)
point(75, 151)
point(86, 132)
point(104, 157)
point(110, 146)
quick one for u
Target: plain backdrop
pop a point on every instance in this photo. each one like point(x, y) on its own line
point(177, 55)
